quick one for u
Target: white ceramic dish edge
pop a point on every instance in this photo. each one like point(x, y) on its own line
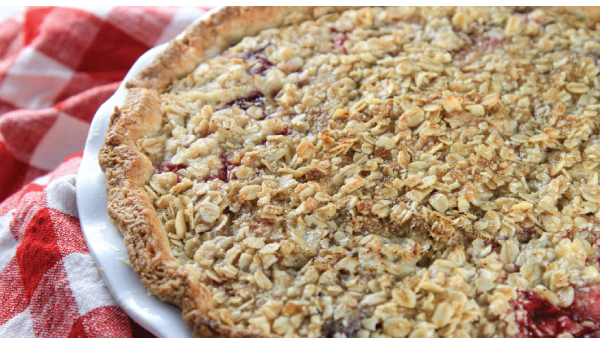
point(104, 240)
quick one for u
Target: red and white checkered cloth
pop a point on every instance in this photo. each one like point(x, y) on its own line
point(57, 66)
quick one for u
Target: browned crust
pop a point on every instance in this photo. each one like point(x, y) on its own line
point(227, 27)
point(127, 169)
point(210, 37)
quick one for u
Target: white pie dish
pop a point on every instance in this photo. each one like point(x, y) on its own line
point(104, 240)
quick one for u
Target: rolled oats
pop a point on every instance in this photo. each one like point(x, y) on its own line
point(398, 172)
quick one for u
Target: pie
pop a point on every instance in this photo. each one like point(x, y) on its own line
point(348, 172)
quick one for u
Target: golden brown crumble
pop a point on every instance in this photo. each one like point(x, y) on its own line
point(388, 172)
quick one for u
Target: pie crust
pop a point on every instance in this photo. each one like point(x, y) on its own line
point(424, 201)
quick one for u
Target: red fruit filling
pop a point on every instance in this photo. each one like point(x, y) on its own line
point(212, 282)
point(491, 43)
point(338, 44)
point(261, 66)
point(254, 99)
point(334, 30)
point(284, 131)
point(543, 319)
point(226, 172)
point(169, 167)
point(261, 63)
point(586, 304)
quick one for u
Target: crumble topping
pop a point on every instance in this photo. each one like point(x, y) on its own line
point(391, 172)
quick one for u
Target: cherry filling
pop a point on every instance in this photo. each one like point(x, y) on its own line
point(338, 44)
point(226, 173)
point(215, 283)
point(284, 131)
point(261, 65)
point(254, 99)
point(169, 167)
point(491, 43)
point(543, 319)
point(586, 304)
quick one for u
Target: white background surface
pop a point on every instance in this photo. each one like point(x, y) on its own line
point(105, 241)
point(6, 11)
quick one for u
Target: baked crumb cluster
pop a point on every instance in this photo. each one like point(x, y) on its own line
point(391, 172)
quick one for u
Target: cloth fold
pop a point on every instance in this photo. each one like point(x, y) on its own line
point(57, 66)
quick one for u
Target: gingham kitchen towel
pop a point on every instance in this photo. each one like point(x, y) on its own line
point(57, 66)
